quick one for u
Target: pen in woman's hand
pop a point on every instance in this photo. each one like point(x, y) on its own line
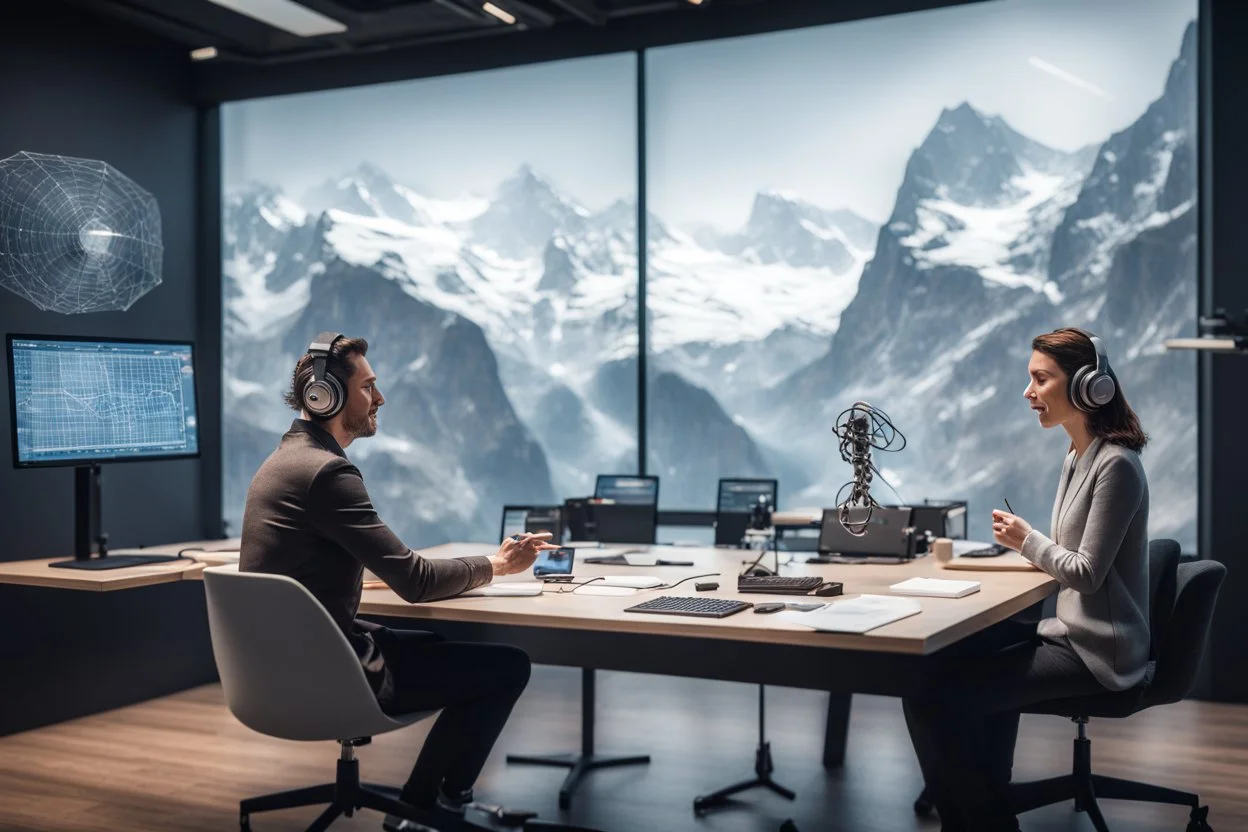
point(1007, 505)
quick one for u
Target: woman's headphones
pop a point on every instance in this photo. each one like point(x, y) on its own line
point(1093, 387)
point(323, 397)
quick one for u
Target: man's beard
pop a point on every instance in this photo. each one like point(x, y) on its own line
point(361, 427)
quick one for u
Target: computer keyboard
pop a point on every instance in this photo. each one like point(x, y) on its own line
point(778, 584)
point(698, 607)
point(990, 551)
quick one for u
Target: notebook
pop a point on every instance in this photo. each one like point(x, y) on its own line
point(935, 587)
point(855, 615)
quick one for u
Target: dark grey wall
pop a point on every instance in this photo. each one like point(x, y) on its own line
point(100, 90)
point(1224, 446)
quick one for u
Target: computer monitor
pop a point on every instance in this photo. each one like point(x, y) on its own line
point(520, 519)
point(889, 533)
point(81, 402)
point(737, 498)
point(628, 489)
point(942, 518)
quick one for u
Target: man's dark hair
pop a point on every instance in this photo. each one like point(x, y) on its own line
point(340, 364)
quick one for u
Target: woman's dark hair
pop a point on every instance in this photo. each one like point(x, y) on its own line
point(340, 364)
point(1115, 422)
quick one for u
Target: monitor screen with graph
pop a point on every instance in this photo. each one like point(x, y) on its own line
point(80, 401)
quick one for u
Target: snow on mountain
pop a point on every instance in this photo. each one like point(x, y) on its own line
point(525, 212)
point(369, 191)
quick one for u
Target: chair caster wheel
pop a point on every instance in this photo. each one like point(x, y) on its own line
point(1199, 821)
point(922, 806)
point(699, 806)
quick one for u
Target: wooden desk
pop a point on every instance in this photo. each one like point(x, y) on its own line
point(38, 573)
point(942, 621)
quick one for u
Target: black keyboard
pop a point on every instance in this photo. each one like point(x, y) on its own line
point(778, 584)
point(698, 607)
point(992, 550)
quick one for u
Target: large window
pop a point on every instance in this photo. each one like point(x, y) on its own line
point(889, 211)
point(479, 231)
point(886, 210)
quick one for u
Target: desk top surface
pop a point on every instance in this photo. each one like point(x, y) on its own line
point(942, 621)
point(39, 573)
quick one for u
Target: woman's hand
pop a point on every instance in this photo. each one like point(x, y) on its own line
point(518, 553)
point(1009, 530)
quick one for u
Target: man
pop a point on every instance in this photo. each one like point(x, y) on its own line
point(309, 516)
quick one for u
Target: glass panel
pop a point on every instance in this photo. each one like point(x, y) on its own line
point(479, 232)
point(889, 211)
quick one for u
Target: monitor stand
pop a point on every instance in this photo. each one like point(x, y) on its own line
point(87, 529)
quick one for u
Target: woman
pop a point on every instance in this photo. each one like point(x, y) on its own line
point(964, 728)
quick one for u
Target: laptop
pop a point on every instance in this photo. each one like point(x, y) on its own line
point(520, 519)
point(889, 534)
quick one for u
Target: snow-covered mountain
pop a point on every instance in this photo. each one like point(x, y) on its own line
point(552, 287)
point(994, 240)
point(504, 326)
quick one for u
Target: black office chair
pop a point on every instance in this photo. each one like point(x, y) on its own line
point(1179, 630)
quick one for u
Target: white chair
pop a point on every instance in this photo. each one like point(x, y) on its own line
point(289, 672)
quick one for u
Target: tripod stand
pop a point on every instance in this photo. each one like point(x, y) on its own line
point(763, 767)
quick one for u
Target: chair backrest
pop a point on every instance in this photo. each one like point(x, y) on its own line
point(286, 668)
point(1181, 641)
point(1163, 560)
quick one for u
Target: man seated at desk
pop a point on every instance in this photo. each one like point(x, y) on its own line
point(309, 516)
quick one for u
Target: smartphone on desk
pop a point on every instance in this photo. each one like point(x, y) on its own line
point(554, 564)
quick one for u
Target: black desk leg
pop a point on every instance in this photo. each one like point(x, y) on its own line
point(587, 760)
point(837, 731)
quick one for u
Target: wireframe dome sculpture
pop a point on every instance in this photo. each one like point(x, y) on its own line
point(76, 235)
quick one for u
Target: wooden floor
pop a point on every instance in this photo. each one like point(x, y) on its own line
point(182, 763)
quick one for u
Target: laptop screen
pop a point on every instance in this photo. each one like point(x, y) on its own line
point(885, 533)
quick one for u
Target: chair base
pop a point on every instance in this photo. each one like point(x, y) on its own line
point(344, 796)
point(1084, 788)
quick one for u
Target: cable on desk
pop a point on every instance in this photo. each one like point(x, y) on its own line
point(562, 591)
point(682, 580)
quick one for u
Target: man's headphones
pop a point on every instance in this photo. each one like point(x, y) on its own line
point(324, 396)
point(1093, 387)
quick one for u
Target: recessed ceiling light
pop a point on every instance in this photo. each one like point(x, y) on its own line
point(501, 14)
point(285, 14)
point(696, 2)
point(206, 53)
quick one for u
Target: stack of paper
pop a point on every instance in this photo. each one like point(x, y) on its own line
point(855, 615)
point(506, 589)
point(935, 587)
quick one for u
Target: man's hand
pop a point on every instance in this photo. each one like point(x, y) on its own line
point(518, 553)
point(1009, 530)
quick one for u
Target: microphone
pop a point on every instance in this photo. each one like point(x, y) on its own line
point(860, 428)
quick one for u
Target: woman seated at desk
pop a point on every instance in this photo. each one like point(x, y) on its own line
point(964, 727)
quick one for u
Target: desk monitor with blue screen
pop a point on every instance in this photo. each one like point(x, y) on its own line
point(737, 498)
point(628, 489)
point(85, 401)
